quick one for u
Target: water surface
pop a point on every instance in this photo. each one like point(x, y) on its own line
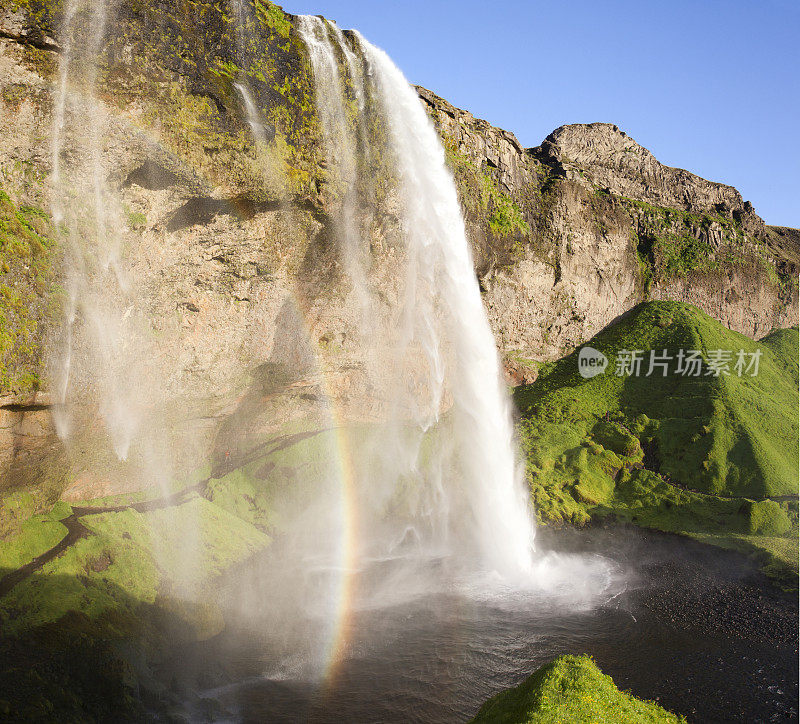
point(696, 628)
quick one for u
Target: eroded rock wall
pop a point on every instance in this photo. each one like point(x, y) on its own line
point(610, 226)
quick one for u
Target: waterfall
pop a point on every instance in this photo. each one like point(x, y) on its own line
point(362, 428)
point(105, 369)
point(440, 452)
point(103, 361)
point(442, 344)
point(97, 307)
point(340, 150)
point(441, 257)
point(253, 117)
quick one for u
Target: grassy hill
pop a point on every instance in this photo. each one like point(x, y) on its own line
point(570, 689)
point(714, 456)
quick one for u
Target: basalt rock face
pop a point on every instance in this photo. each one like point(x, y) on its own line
point(231, 249)
point(616, 163)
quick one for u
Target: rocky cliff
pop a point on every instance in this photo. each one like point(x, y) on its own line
point(605, 227)
point(230, 246)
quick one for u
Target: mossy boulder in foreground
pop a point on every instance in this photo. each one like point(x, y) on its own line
point(569, 689)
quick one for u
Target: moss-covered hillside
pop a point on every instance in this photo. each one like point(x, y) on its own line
point(710, 455)
point(95, 580)
point(81, 585)
point(570, 689)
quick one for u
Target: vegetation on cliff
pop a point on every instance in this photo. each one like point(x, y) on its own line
point(27, 249)
point(200, 61)
point(485, 203)
point(711, 456)
point(672, 242)
point(570, 689)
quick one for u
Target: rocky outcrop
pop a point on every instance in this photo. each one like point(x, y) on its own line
point(613, 161)
point(25, 427)
point(483, 144)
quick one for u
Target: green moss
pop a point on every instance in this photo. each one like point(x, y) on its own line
point(468, 176)
point(136, 220)
point(487, 205)
point(16, 506)
point(265, 486)
point(210, 535)
point(84, 578)
point(184, 76)
point(617, 439)
point(766, 518)
point(505, 217)
point(43, 14)
point(570, 689)
point(273, 17)
point(27, 251)
point(128, 560)
point(673, 242)
point(743, 428)
point(677, 453)
point(36, 536)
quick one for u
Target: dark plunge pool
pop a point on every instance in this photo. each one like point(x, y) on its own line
point(695, 628)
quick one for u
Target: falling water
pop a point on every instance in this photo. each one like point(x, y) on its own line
point(340, 151)
point(104, 367)
point(98, 307)
point(441, 338)
point(441, 260)
point(429, 491)
point(253, 117)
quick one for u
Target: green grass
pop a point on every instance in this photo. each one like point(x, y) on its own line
point(128, 560)
point(610, 445)
point(19, 505)
point(136, 581)
point(36, 536)
point(85, 578)
point(294, 471)
point(570, 689)
point(163, 557)
point(728, 434)
point(268, 483)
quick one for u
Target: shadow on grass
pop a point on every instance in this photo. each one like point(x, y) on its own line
point(78, 668)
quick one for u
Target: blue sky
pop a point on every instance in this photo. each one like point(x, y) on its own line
point(712, 86)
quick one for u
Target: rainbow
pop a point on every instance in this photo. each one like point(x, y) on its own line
point(335, 647)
